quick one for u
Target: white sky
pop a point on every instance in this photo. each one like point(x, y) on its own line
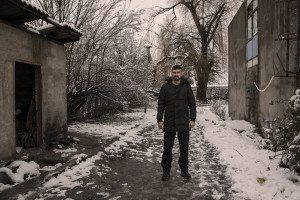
point(149, 5)
point(141, 4)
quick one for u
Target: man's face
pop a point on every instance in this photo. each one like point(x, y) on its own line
point(176, 74)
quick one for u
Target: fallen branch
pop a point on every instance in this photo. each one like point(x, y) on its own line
point(239, 152)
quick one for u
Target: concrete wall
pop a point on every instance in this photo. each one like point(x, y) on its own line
point(272, 102)
point(237, 65)
point(245, 101)
point(17, 45)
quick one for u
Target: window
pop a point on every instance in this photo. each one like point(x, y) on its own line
point(252, 30)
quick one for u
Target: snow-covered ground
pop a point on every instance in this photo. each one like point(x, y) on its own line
point(253, 175)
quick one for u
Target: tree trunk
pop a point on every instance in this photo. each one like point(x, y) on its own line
point(201, 91)
point(202, 78)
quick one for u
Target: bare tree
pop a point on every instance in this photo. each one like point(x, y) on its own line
point(199, 41)
point(103, 68)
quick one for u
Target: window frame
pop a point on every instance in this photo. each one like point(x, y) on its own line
point(252, 41)
point(250, 15)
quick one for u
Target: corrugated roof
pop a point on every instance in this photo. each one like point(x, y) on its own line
point(20, 11)
point(64, 24)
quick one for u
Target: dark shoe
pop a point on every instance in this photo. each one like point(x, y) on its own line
point(186, 175)
point(165, 176)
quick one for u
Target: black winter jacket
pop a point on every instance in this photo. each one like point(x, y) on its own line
point(176, 103)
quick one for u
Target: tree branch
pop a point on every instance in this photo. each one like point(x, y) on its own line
point(212, 34)
point(164, 10)
point(217, 15)
point(170, 58)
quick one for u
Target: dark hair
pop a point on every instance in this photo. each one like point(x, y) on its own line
point(176, 67)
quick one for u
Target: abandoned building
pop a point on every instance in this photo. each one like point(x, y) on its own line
point(32, 77)
point(263, 46)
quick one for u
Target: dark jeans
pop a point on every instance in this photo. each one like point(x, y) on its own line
point(183, 161)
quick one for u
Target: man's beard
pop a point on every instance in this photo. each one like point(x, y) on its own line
point(176, 78)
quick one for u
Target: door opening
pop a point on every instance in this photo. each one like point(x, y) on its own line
point(27, 105)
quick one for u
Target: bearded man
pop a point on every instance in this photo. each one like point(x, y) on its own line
point(176, 113)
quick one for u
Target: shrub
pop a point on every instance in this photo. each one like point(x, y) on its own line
point(219, 107)
point(285, 135)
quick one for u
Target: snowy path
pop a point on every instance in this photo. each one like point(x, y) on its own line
point(225, 162)
point(137, 170)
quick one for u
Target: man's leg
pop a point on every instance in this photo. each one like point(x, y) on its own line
point(166, 161)
point(183, 161)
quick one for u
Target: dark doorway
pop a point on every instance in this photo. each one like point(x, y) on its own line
point(27, 104)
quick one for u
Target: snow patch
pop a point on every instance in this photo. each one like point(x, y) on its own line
point(23, 169)
point(65, 152)
point(246, 161)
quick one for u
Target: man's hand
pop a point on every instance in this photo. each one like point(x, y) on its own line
point(192, 124)
point(161, 125)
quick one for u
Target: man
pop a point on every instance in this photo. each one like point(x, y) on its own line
point(176, 104)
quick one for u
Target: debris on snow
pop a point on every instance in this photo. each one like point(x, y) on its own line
point(261, 180)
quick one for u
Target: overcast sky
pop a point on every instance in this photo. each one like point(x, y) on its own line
point(149, 4)
point(140, 4)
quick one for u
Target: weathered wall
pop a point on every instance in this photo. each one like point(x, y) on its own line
point(252, 94)
point(237, 65)
point(270, 102)
point(17, 45)
point(245, 102)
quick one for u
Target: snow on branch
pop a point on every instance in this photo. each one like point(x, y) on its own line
point(172, 58)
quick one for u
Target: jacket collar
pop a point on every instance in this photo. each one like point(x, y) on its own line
point(183, 80)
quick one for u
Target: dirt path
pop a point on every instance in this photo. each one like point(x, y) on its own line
point(140, 177)
point(135, 172)
point(128, 167)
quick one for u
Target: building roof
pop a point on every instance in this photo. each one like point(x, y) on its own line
point(20, 12)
